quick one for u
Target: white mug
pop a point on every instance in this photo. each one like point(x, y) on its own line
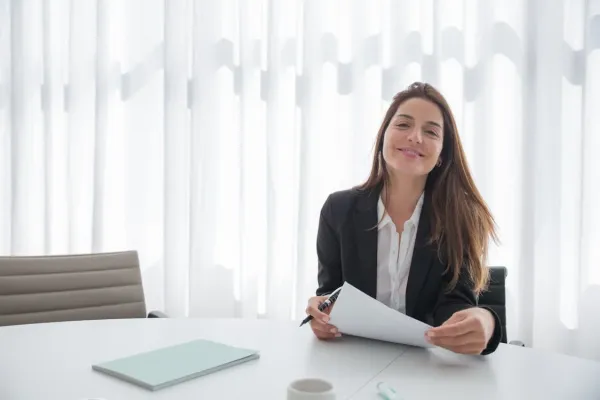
point(310, 389)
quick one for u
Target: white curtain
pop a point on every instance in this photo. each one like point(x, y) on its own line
point(206, 135)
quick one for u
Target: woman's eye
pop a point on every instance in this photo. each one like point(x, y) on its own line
point(432, 133)
point(402, 125)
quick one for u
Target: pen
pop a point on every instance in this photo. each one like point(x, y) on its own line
point(325, 305)
point(385, 391)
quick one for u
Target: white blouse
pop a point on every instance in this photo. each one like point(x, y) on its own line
point(394, 255)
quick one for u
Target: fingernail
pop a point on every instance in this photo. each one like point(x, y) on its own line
point(430, 334)
point(338, 334)
point(326, 319)
point(333, 330)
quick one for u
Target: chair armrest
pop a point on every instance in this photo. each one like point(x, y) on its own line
point(517, 343)
point(157, 314)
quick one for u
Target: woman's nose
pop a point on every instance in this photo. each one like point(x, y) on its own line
point(415, 135)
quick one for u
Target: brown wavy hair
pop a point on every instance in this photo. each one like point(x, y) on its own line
point(461, 223)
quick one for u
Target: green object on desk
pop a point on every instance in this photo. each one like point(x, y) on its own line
point(168, 366)
point(385, 391)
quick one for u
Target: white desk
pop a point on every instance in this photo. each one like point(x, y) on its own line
point(511, 372)
point(53, 361)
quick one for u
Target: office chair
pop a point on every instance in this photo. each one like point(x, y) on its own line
point(71, 287)
point(495, 298)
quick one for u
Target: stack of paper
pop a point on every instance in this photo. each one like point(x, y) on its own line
point(358, 314)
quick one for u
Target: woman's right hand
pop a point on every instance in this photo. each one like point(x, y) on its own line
point(320, 321)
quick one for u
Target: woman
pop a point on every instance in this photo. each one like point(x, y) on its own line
point(415, 234)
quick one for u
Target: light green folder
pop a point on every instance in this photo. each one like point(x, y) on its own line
point(168, 366)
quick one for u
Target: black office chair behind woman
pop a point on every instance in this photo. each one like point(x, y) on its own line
point(495, 298)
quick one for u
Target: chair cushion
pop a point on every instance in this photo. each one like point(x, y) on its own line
point(72, 287)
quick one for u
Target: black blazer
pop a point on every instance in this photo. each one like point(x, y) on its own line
point(347, 251)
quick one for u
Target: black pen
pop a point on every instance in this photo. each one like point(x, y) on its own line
point(325, 305)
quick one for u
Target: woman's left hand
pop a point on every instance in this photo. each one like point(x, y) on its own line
point(466, 331)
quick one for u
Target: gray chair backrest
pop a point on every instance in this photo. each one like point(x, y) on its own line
point(70, 288)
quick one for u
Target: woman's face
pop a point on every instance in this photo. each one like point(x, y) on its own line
point(414, 138)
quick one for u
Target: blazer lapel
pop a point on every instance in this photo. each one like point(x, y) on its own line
point(421, 261)
point(365, 232)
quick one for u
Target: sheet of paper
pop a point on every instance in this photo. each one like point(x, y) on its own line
point(355, 313)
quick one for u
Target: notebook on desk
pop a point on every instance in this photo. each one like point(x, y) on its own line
point(168, 366)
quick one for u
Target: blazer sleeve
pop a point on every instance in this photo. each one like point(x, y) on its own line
point(460, 298)
point(328, 252)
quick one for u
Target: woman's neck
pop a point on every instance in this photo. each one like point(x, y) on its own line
point(402, 194)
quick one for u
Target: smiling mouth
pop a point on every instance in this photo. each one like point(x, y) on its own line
point(411, 152)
